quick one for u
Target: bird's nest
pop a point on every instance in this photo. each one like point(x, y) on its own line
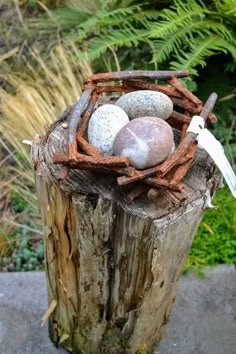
point(168, 174)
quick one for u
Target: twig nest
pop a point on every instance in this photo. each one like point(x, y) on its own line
point(146, 103)
point(146, 142)
point(103, 126)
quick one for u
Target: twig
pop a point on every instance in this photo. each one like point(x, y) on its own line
point(135, 74)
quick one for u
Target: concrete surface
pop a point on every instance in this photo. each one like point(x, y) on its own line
point(203, 318)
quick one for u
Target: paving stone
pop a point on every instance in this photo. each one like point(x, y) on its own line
point(203, 318)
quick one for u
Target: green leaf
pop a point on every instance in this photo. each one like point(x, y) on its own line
point(125, 37)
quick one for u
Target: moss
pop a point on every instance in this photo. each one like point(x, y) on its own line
point(113, 342)
point(215, 241)
point(142, 349)
point(18, 203)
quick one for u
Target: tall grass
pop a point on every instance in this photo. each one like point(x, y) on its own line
point(31, 101)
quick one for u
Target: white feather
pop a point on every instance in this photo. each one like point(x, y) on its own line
point(213, 147)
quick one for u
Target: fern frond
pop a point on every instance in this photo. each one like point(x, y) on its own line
point(162, 48)
point(118, 38)
point(118, 17)
point(180, 15)
point(226, 7)
point(112, 17)
point(201, 50)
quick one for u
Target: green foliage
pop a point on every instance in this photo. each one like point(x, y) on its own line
point(27, 256)
point(18, 203)
point(213, 79)
point(183, 35)
point(215, 241)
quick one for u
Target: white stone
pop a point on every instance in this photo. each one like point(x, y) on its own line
point(146, 103)
point(104, 125)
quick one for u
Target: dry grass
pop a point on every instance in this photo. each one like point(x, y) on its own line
point(40, 96)
point(89, 6)
point(29, 102)
point(33, 101)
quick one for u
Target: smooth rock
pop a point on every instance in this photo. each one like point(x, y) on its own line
point(146, 142)
point(146, 103)
point(103, 126)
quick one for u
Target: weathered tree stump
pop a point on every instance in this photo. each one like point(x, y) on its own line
point(112, 267)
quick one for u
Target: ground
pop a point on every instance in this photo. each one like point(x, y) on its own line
point(202, 321)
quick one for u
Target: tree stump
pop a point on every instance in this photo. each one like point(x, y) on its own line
point(112, 267)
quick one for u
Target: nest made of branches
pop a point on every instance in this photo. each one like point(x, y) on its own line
point(168, 174)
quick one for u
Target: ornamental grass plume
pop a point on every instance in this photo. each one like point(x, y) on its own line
point(31, 101)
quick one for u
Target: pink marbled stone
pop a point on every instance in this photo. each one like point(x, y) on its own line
point(146, 142)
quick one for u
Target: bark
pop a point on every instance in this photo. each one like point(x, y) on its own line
point(112, 267)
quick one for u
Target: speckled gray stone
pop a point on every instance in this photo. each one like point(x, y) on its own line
point(145, 141)
point(103, 126)
point(146, 103)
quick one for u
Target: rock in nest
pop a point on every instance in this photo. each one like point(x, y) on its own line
point(104, 125)
point(145, 141)
point(146, 103)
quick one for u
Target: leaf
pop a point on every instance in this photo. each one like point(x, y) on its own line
point(201, 50)
point(180, 15)
point(119, 38)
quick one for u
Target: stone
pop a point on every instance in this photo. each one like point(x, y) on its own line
point(146, 142)
point(146, 103)
point(103, 126)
